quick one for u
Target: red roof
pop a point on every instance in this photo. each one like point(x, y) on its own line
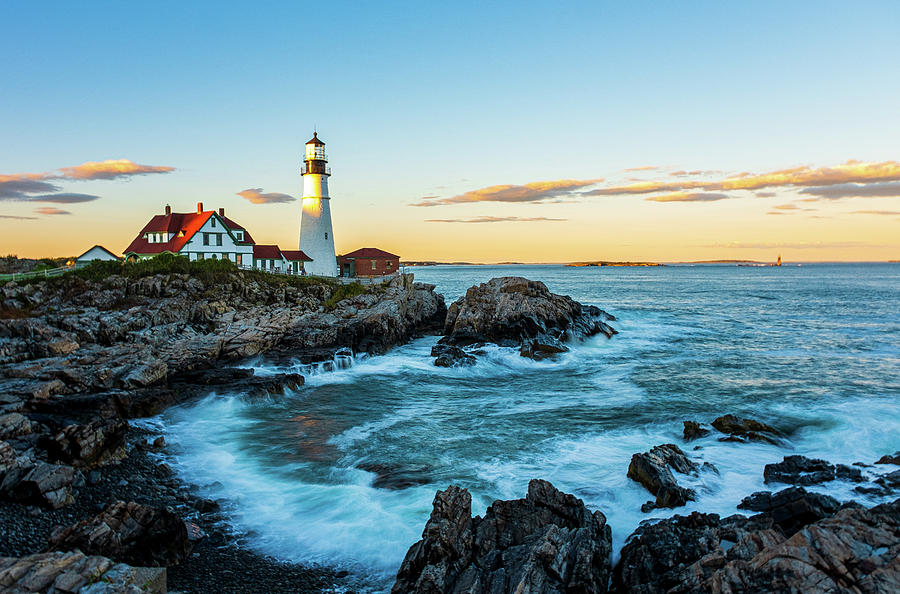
point(373, 253)
point(269, 252)
point(173, 223)
point(298, 255)
point(235, 227)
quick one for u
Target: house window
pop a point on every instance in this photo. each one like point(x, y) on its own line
point(212, 222)
point(373, 264)
point(206, 239)
point(218, 239)
point(239, 235)
point(388, 264)
point(272, 264)
point(238, 259)
point(224, 256)
point(200, 256)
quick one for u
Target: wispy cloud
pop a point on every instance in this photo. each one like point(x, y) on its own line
point(643, 168)
point(18, 218)
point(877, 212)
point(111, 169)
point(855, 190)
point(493, 220)
point(50, 210)
point(765, 194)
point(64, 198)
point(13, 187)
point(257, 196)
point(531, 192)
point(787, 207)
point(689, 197)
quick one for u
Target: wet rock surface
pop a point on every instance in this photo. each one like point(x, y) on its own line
point(793, 508)
point(76, 572)
point(447, 355)
point(547, 542)
point(800, 470)
point(514, 311)
point(739, 429)
point(653, 470)
point(129, 532)
point(693, 430)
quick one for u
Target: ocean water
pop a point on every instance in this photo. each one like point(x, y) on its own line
point(813, 350)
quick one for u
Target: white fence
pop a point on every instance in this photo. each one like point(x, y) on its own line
point(14, 276)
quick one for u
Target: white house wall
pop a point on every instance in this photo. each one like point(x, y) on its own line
point(195, 247)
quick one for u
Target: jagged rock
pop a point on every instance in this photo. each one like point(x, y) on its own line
point(514, 311)
point(890, 480)
point(792, 508)
point(67, 573)
point(693, 430)
point(451, 356)
point(651, 469)
point(890, 459)
point(14, 425)
point(128, 532)
point(659, 557)
point(800, 470)
point(856, 550)
point(547, 542)
point(745, 429)
point(88, 445)
point(48, 485)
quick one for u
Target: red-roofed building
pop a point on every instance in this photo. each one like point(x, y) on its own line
point(273, 258)
point(368, 262)
point(204, 234)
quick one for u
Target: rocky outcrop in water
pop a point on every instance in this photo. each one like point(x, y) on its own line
point(653, 470)
point(514, 311)
point(129, 532)
point(547, 542)
point(739, 429)
point(67, 573)
point(800, 470)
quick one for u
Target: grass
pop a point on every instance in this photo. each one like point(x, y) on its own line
point(344, 292)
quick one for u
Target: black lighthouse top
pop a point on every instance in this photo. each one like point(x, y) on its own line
point(315, 159)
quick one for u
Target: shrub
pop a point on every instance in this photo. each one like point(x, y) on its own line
point(342, 292)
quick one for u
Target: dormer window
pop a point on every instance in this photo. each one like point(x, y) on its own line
point(239, 235)
point(213, 222)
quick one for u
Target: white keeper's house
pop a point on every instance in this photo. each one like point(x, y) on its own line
point(209, 234)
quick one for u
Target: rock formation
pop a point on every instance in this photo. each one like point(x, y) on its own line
point(514, 311)
point(652, 470)
point(800, 470)
point(547, 542)
point(67, 573)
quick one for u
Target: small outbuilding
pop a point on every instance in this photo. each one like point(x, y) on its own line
point(368, 262)
point(98, 252)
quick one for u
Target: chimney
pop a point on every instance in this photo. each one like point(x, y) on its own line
point(168, 210)
point(199, 207)
point(221, 212)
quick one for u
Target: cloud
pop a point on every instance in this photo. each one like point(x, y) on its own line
point(64, 198)
point(531, 192)
point(256, 196)
point(765, 194)
point(16, 187)
point(851, 172)
point(877, 212)
point(49, 210)
point(787, 207)
point(689, 197)
point(855, 190)
point(2, 216)
point(643, 168)
point(493, 220)
point(111, 169)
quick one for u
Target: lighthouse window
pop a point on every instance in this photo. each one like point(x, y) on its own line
point(326, 236)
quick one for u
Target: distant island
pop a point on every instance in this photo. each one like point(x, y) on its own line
point(435, 263)
point(724, 262)
point(607, 263)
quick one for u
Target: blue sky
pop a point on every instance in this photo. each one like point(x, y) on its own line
point(428, 99)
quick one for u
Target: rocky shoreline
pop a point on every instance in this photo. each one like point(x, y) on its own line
point(88, 504)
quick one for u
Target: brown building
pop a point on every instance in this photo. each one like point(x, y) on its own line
point(368, 262)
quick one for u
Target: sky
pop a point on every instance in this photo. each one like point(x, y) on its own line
point(481, 131)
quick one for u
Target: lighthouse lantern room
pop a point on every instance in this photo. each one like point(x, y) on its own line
point(316, 236)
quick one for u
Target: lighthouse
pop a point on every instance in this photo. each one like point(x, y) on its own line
point(316, 236)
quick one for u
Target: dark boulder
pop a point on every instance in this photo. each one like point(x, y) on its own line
point(547, 542)
point(652, 470)
point(88, 445)
point(130, 533)
point(660, 557)
point(800, 470)
point(451, 356)
point(890, 459)
point(514, 311)
point(14, 425)
point(739, 429)
point(693, 430)
point(793, 508)
point(47, 485)
point(395, 477)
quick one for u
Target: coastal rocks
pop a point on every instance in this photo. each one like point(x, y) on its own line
point(693, 430)
point(745, 429)
point(394, 477)
point(14, 425)
point(793, 508)
point(67, 573)
point(856, 550)
point(890, 459)
point(547, 542)
point(128, 532)
point(800, 470)
point(47, 485)
point(451, 356)
point(514, 311)
point(652, 470)
point(88, 445)
point(661, 557)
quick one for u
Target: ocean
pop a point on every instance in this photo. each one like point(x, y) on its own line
point(812, 349)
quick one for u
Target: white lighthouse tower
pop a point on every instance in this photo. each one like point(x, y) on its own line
point(316, 236)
